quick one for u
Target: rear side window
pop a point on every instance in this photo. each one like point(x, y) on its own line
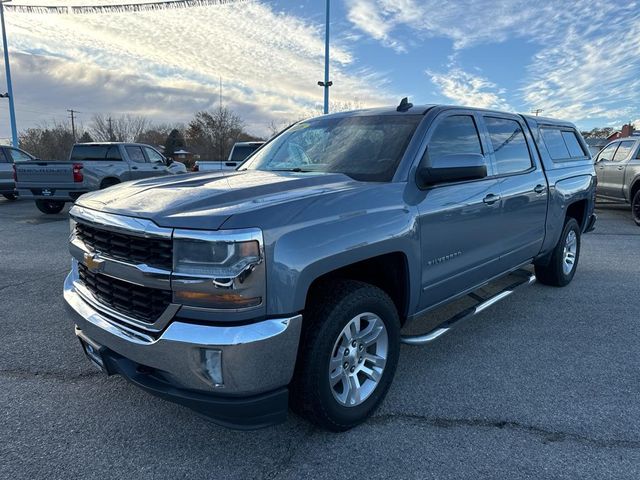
point(135, 154)
point(455, 134)
point(88, 153)
point(240, 152)
point(623, 151)
point(509, 145)
point(18, 155)
point(562, 144)
point(575, 149)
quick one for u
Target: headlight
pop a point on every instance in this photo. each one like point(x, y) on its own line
point(221, 270)
point(214, 259)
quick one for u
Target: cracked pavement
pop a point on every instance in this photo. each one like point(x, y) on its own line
point(544, 384)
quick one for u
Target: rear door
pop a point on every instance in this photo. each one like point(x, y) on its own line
point(523, 188)
point(460, 226)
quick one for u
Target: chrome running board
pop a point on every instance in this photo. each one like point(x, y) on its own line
point(483, 303)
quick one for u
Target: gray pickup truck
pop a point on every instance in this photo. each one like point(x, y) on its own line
point(9, 156)
point(91, 166)
point(618, 170)
point(288, 281)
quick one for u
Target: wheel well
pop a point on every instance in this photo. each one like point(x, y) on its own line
point(634, 188)
point(389, 272)
point(578, 210)
point(108, 182)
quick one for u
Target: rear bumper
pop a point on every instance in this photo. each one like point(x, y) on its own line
point(257, 361)
point(65, 194)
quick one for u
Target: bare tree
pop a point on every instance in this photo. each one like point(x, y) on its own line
point(125, 128)
point(212, 134)
point(48, 141)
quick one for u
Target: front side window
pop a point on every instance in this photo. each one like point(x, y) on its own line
point(454, 135)
point(607, 153)
point(623, 151)
point(135, 154)
point(366, 148)
point(509, 145)
point(3, 157)
point(154, 157)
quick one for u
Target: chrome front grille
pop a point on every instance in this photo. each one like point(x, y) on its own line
point(141, 303)
point(155, 252)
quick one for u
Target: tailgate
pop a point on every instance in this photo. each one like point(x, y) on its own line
point(44, 172)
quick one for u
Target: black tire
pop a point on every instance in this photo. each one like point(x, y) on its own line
point(10, 196)
point(332, 307)
point(50, 207)
point(108, 182)
point(554, 272)
point(635, 207)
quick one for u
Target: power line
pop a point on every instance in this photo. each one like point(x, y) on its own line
point(537, 111)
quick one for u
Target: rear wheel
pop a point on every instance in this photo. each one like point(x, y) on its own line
point(564, 259)
point(50, 207)
point(348, 354)
point(635, 207)
point(10, 196)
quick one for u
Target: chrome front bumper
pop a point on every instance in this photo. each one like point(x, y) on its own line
point(256, 358)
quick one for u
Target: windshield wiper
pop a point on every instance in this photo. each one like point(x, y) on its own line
point(295, 169)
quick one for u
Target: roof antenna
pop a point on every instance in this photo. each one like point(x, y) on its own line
point(404, 105)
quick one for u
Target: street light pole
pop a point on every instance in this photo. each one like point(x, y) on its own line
point(12, 111)
point(326, 84)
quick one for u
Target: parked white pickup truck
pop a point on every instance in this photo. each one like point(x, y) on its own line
point(239, 153)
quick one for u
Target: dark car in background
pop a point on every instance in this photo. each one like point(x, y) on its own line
point(8, 157)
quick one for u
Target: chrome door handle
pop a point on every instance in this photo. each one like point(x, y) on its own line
point(539, 188)
point(491, 199)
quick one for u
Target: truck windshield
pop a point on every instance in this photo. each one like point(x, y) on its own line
point(87, 153)
point(366, 148)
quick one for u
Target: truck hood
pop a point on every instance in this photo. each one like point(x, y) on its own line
point(207, 200)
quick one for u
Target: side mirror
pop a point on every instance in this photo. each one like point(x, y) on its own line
point(450, 168)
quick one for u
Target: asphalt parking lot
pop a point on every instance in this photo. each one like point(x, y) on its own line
point(545, 384)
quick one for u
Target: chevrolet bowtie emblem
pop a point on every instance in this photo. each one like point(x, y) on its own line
point(93, 262)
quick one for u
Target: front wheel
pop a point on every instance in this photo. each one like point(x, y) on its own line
point(564, 259)
point(10, 196)
point(348, 354)
point(635, 207)
point(50, 207)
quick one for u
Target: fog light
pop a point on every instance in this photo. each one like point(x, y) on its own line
point(212, 363)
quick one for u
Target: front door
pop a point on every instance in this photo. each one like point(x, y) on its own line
point(460, 222)
point(614, 170)
point(158, 162)
point(138, 164)
point(523, 188)
point(604, 165)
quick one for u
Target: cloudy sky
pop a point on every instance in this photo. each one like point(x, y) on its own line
point(574, 60)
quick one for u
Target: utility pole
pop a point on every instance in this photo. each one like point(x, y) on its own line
point(326, 84)
point(537, 111)
point(72, 112)
point(111, 137)
point(12, 110)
